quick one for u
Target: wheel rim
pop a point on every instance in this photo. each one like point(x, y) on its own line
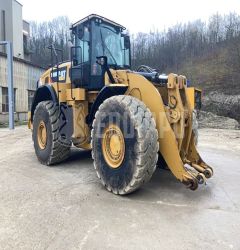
point(113, 146)
point(42, 135)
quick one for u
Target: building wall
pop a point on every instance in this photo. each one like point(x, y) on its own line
point(13, 26)
point(1, 100)
point(25, 77)
point(6, 6)
point(17, 29)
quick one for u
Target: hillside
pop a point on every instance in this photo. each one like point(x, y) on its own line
point(219, 81)
point(213, 72)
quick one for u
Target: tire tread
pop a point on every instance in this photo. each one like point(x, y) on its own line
point(59, 151)
point(147, 142)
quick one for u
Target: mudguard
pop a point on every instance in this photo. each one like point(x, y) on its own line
point(43, 93)
point(105, 93)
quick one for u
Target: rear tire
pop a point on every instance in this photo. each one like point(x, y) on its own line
point(49, 147)
point(138, 142)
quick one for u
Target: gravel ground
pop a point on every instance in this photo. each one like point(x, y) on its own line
point(66, 207)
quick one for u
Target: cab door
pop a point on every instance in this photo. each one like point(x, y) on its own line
point(80, 57)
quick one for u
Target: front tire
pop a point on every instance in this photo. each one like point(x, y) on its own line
point(124, 144)
point(48, 144)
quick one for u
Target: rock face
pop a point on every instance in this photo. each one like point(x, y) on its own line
point(210, 120)
point(222, 105)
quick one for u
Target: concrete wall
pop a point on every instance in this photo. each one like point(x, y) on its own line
point(25, 76)
point(4, 118)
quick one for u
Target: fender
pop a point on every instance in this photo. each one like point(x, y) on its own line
point(43, 93)
point(105, 93)
point(46, 93)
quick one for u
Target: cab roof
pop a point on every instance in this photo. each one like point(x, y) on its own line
point(95, 16)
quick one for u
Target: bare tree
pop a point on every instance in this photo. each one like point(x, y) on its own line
point(46, 33)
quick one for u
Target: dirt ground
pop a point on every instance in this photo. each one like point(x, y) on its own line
point(66, 207)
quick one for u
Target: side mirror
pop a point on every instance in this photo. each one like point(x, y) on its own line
point(102, 61)
point(127, 43)
point(83, 33)
point(80, 33)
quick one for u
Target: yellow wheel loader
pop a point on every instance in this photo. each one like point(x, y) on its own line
point(127, 118)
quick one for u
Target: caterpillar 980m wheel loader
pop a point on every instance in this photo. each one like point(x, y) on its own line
point(127, 118)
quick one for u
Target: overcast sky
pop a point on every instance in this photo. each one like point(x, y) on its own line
point(134, 14)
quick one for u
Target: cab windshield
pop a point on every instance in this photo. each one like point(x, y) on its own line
point(110, 43)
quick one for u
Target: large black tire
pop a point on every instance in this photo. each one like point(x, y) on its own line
point(56, 149)
point(141, 154)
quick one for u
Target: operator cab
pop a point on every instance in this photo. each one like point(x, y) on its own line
point(96, 36)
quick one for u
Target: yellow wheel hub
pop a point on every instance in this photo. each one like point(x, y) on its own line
point(113, 146)
point(42, 135)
